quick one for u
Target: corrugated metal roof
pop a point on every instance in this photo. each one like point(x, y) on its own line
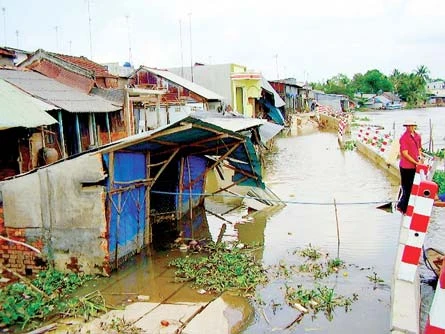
point(191, 86)
point(18, 109)
point(52, 91)
point(278, 101)
point(229, 121)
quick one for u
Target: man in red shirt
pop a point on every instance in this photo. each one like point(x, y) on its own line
point(410, 157)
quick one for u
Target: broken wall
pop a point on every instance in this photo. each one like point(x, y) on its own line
point(61, 208)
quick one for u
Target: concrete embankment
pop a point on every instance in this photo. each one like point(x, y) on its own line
point(391, 168)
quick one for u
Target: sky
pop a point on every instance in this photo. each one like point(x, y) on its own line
point(310, 40)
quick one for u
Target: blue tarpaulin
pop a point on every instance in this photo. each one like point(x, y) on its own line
point(127, 218)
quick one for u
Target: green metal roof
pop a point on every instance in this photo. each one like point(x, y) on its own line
point(19, 109)
point(197, 137)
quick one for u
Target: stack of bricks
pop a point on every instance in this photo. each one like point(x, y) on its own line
point(17, 257)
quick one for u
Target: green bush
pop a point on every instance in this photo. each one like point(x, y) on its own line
point(439, 178)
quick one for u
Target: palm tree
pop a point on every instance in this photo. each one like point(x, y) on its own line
point(423, 72)
point(396, 79)
point(395, 73)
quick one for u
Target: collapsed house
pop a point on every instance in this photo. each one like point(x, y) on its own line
point(93, 211)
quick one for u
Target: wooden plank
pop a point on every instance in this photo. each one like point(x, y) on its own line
point(199, 143)
point(165, 165)
point(147, 138)
point(230, 186)
point(220, 159)
point(238, 137)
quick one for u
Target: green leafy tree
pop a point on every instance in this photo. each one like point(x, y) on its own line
point(412, 89)
point(339, 84)
point(372, 82)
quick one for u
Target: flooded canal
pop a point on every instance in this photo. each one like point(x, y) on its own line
point(309, 173)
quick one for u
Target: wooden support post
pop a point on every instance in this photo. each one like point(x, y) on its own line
point(110, 200)
point(181, 187)
point(118, 220)
point(61, 135)
point(147, 228)
point(79, 141)
point(107, 121)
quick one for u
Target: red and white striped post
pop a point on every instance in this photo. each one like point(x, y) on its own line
point(426, 192)
point(421, 171)
point(436, 318)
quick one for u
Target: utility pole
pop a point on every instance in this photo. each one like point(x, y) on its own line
point(70, 43)
point(89, 23)
point(17, 36)
point(4, 24)
point(180, 42)
point(276, 64)
point(129, 41)
point(56, 28)
point(191, 46)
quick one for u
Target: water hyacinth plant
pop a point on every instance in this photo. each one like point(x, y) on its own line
point(220, 268)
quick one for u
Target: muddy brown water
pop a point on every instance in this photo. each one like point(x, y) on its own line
point(308, 172)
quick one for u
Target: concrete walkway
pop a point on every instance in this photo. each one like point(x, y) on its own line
point(154, 318)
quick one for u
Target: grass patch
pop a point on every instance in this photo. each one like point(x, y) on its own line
point(349, 145)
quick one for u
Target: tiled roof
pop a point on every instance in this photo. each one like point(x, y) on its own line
point(98, 69)
point(6, 53)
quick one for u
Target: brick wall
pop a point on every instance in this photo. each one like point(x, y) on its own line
point(19, 258)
